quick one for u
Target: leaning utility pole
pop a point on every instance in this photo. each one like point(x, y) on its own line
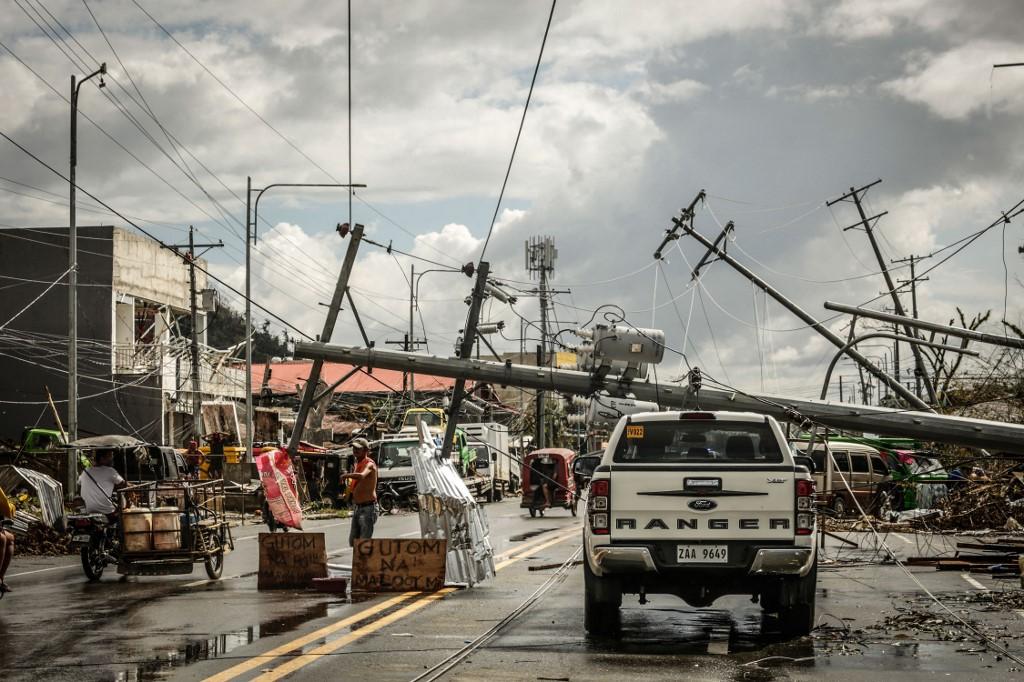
point(868, 225)
point(465, 352)
point(805, 316)
point(197, 397)
point(325, 336)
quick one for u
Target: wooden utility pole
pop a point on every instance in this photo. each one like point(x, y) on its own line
point(868, 225)
point(197, 394)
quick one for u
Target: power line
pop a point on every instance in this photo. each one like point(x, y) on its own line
point(522, 121)
point(146, 232)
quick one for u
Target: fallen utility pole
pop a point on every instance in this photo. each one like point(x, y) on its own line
point(197, 397)
point(926, 426)
point(960, 332)
point(814, 324)
point(868, 224)
point(332, 317)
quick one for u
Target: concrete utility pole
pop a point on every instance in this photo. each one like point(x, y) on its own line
point(540, 260)
point(197, 397)
point(960, 332)
point(868, 225)
point(332, 317)
point(913, 297)
point(806, 317)
point(672, 233)
point(927, 426)
point(465, 351)
point(76, 86)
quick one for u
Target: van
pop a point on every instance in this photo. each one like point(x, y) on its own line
point(863, 467)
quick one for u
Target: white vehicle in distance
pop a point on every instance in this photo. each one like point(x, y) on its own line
point(700, 505)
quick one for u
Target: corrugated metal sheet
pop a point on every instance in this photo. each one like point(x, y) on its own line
point(449, 511)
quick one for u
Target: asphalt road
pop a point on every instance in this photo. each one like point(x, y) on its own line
point(872, 619)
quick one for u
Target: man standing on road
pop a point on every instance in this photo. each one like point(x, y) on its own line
point(364, 492)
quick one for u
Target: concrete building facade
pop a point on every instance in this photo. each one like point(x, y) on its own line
point(134, 363)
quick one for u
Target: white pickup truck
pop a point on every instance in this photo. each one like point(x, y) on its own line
point(700, 505)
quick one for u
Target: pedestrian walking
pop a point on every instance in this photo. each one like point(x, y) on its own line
point(363, 480)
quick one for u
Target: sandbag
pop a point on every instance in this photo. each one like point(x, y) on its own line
point(278, 479)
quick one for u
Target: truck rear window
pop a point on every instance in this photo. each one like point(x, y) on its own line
point(697, 442)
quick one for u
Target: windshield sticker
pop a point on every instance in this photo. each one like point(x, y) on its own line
point(634, 431)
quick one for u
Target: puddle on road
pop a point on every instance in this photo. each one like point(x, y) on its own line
point(218, 645)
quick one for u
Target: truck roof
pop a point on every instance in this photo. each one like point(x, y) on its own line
point(674, 415)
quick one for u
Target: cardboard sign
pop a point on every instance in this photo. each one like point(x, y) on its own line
point(291, 560)
point(398, 565)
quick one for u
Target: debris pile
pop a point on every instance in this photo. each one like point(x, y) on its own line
point(1000, 559)
point(990, 504)
point(33, 538)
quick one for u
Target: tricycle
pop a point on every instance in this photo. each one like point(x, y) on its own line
point(159, 528)
point(548, 481)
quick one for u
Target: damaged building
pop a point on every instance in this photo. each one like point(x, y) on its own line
point(133, 360)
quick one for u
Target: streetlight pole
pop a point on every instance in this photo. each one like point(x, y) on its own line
point(252, 212)
point(414, 303)
point(76, 86)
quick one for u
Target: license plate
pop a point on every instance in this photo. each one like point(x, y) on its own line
point(702, 554)
point(80, 538)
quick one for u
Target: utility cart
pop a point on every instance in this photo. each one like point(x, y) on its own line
point(166, 527)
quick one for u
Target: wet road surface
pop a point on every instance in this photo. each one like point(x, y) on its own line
point(872, 620)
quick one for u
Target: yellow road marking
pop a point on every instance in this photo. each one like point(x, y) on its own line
point(256, 661)
point(300, 661)
point(305, 659)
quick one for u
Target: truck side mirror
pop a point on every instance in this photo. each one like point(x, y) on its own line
point(494, 456)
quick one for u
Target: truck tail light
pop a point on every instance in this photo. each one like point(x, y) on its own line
point(599, 506)
point(804, 506)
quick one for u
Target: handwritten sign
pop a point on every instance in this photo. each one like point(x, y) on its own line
point(291, 560)
point(398, 565)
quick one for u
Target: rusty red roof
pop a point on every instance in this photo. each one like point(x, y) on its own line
point(287, 377)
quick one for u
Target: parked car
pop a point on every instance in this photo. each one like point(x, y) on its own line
point(865, 469)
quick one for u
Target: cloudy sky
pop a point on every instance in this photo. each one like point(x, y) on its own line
point(772, 107)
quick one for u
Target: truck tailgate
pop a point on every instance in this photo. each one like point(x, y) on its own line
point(750, 502)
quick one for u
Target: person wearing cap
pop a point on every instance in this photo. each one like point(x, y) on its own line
point(364, 492)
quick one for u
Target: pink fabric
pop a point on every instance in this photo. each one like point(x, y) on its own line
point(278, 478)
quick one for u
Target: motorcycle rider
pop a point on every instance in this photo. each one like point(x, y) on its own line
point(98, 484)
